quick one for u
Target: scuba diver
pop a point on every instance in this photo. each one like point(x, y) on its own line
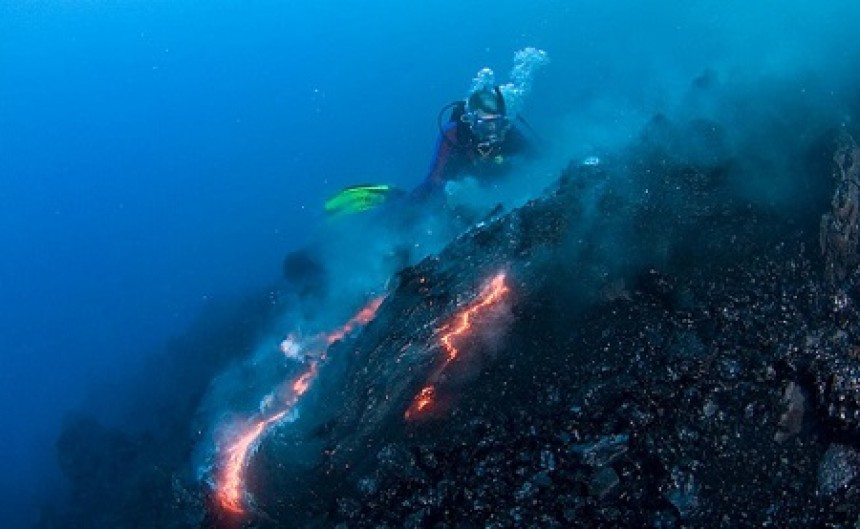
point(482, 135)
point(478, 139)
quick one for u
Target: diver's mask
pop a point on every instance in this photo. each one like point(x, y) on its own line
point(488, 129)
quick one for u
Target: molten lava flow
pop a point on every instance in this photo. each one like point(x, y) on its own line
point(423, 400)
point(230, 485)
point(492, 293)
point(364, 316)
point(232, 480)
point(301, 384)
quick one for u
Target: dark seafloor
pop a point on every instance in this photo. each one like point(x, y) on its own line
point(680, 348)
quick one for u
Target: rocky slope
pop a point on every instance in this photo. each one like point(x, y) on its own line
point(671, 353)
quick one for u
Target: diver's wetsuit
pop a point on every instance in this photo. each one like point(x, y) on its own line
point(458, 152)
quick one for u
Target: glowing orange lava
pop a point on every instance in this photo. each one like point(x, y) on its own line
point(301, 385)
point(229, 492)
point(492, 293)
point(230, 484)
point(423, 400)
point(364, 316)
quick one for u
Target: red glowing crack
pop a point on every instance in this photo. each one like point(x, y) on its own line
point(229, 489)
point(492, 293)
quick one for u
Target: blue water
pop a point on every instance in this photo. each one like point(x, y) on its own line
point(158, 156)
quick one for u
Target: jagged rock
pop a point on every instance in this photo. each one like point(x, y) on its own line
point(791, 421)
point(836, 372)
point(839, 467)
point(604, 451)
point(603, 483)
point(840, 229)
point(683, 492)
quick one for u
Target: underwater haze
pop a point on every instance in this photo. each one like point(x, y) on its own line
point(159, 159)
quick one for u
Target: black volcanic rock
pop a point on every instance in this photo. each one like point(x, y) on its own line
point(674, 358)
point(678, 349)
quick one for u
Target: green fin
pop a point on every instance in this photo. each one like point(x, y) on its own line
point(355, 199)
